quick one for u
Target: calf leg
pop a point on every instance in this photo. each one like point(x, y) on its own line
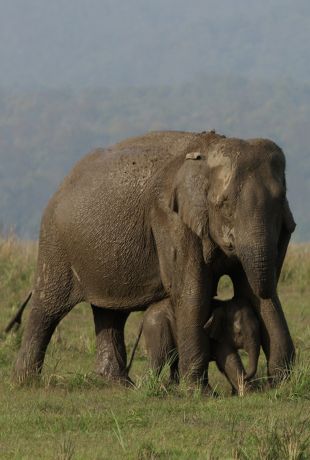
point(159, 340)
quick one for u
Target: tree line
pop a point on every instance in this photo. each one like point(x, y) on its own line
point(43, 133)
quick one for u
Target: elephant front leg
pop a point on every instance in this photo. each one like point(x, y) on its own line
point(192, 312)
point(188, 280)
point(111, 351)
point(194, 353)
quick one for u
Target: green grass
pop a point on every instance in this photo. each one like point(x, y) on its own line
point(71, 413)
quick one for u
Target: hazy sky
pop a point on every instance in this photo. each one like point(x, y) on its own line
point(85, 43)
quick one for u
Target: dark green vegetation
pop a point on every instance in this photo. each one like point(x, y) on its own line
point(71, 414)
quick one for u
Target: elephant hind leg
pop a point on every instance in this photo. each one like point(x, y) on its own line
point(111, 358)
point(55, 293)
point(42, 322)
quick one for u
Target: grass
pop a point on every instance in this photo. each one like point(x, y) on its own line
point(71, 413)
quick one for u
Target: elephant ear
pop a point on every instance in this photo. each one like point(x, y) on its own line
point(288, 219)
point(237, 325)
point(288, 226)
point(189, 194)
point(214, 327)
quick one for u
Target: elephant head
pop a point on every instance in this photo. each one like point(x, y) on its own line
point(233, 324)
point(233, 196)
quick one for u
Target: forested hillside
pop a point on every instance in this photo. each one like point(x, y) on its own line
point(43, 133)
point(77, 74)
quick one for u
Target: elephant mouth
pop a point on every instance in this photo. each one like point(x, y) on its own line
point(229, 250)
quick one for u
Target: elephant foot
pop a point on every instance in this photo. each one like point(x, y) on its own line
point(204, 390)
point(127, 382)
point(207, 390)
point(277, 373)
point(24, 373)
point(111, 375)
point(244, 389)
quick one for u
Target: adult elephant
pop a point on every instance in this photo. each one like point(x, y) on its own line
point(164, 214)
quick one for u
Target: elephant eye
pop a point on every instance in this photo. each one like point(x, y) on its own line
point(225, 207)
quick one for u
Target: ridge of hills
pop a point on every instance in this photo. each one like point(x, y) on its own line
point(43, 133)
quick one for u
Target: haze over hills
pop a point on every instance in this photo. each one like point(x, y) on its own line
point(77, 74)
point(91, 43)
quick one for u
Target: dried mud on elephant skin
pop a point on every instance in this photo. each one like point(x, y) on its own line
point(146, 218)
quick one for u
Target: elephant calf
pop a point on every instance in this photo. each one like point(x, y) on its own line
point(232, 326)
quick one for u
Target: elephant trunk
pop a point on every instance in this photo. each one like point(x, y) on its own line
point(257, 252)
point(228, 361)
point(253, 353)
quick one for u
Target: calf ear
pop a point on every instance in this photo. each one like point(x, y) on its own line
point(214, 326)
point(237, 326)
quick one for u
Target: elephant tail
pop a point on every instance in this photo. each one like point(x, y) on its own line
point(17, 319)
point(134, 348)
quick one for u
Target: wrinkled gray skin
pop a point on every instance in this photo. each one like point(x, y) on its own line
point(232, 326)
point(150, 218)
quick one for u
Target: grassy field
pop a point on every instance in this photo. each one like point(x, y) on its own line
point(72, 414)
